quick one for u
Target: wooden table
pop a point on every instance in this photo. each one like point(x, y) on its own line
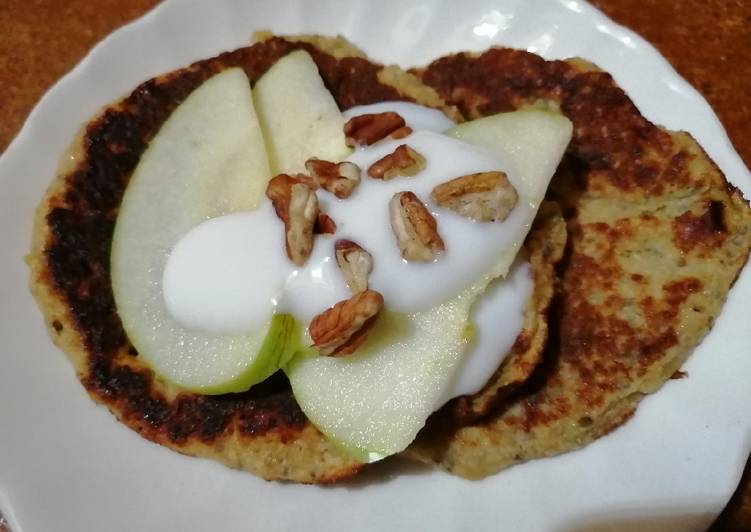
point(707, 41)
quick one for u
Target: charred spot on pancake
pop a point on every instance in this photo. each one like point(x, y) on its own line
point(717, 216)
point(590, 345)
point(199, 416)
point(496, 81)
point(701, 231)
point(676, 292)
point(569, 181)
point(277, 412)
point(264, 408)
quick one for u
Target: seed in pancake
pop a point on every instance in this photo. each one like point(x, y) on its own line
point(403, 161)
point(372, 127)
point(485, 196)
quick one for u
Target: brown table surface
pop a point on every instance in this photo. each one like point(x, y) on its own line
point(707, 41)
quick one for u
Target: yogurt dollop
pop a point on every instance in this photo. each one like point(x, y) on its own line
point(230, 274)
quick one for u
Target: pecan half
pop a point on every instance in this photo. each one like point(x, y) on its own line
point(369, 128)
point(324, 225)
point(341, 329)
point(403, 161)
point(338, 178)
point(415, 229)
point(355, 263)
point(485, 196)
point(296, 204)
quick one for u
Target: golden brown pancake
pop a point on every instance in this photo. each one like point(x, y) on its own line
point(657, 236)
point(262, 430)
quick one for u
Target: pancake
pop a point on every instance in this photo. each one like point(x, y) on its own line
point(656, 238)
point(262, 430)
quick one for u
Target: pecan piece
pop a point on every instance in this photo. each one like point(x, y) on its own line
point(338, 178)
point(324, 225)
point(369, 128)
point(415, 229)
point(296, 204)
point(485, 196)
point(400, 133)
point(341, 329)
point(403, 161)
point(355, 263)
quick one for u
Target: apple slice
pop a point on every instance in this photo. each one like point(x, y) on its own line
point(536, 139)
point(374, 402)
point(208, 159)
point(520, 133)
point(299, 116)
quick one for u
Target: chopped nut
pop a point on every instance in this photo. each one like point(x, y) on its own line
point(324, 225)
point(296, 204)
point(338, 178)
point(341, 329)
point(369, 128)
point(415, 228)
point(485, 196)
point(400, 133)
point(355, 263)
point(404, 161)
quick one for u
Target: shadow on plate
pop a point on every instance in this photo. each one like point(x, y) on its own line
point(384, 471)
point(642, 520)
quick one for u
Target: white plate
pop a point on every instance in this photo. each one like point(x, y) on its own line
point(67, 465)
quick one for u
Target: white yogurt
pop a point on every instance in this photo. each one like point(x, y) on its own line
point(230, 274)
point(498, 317)
point(225, 275)
point(472, 248)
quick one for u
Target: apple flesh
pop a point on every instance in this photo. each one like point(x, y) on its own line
point(208, 159)
point(374, 402)
point(300, 118)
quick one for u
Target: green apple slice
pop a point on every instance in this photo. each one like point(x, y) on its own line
point(208, 159)
point(536, 139)
point(374, 402)
point(299, 116)
point(520, 133)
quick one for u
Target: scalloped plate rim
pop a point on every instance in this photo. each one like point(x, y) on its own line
point(722, 151)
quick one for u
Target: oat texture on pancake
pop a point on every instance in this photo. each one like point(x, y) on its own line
point(654, 238)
